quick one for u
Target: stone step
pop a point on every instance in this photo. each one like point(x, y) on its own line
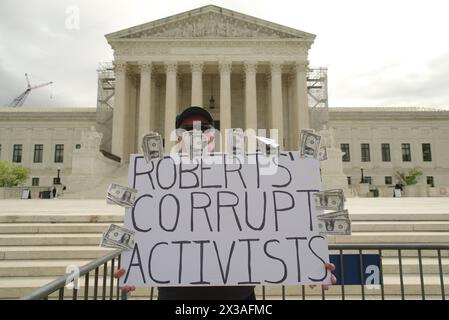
point(38, 268)
point(392, 237)
point(391, 216)
point(36, 228)
point(61, 218)
point(99, 227)
point(52, 252)
point(399, 226)
point(16, 287)
point(50, 239)
point(10, 217)
point(411, 265)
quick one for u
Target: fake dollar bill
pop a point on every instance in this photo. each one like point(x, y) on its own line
point(322, 153)
point(235, 141)
point(330, 200)
point(152, 146)
point(342, 214)
point(335, 223)
point(120, 195)
point(335, 227)
point(195, 143)
point(266, 145)
point(198, 145)
point(117, 237)
point(310, 144)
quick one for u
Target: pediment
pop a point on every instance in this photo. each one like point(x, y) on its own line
point(210, 22)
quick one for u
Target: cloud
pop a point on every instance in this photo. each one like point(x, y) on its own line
point(398, 84)
point(377, 52)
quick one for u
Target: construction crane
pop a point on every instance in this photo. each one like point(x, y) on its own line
point(18, 102)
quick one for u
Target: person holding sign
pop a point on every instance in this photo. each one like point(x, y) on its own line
point(185, 122)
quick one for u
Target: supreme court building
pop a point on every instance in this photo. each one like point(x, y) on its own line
point(254, 70)
point(248, 73)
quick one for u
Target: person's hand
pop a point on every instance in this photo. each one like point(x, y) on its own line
point(118, 274)
point(330, 267)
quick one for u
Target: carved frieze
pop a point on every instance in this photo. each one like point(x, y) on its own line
point(210, 25)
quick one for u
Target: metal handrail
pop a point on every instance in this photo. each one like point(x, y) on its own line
point(59, 284)
point(61, 281)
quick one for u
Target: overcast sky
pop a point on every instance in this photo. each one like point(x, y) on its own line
point(379, 52)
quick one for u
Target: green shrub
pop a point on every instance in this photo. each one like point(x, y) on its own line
point(12, 175)
point(409, 178)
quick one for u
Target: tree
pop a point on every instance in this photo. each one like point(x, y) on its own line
point(12, 175)
point(409, 178)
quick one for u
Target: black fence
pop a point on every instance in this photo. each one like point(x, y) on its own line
point(364, 271)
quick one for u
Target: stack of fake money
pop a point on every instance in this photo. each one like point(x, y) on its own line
point(336, 222)
point(267, 146)
point(120, 195)
point(310, 145)
point(117, 237)
point(152, 146)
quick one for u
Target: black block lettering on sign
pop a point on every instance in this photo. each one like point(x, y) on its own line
point(193, 206)
point(224, 274)
point(319, 258)
point(201, 243)
point(177, 213)
point(137, 264)
point(250, 281)
point(226, 171)
point(181, 245)
point(285, 274)
point(262, 223)
point(232, 205)
point(149, 264)
point(159, 178)
point(298, 263)
point(183, 172)
point(133, 216)
point(276, 209)
point(136, 174)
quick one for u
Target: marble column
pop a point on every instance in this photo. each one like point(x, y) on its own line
point(119, 116)
point(277, 115)
point(145, 100)
point(197, 83)
point(154, 115)
point(225, 68)
point(301, 107)
point(171, 95)
point(250, 104)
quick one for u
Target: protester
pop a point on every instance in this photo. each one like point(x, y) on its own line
point(398, 188)
point(185, 121)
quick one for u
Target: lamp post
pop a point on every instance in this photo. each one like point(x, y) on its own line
point(212, 100)
point(58, 179)
point(363, 179)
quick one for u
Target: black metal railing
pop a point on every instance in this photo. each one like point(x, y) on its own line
point(103, 270)
point(405, 271)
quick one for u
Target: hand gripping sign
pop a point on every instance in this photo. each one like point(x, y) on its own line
point(225, 220)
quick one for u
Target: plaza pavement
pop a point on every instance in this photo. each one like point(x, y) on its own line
point(40, 238)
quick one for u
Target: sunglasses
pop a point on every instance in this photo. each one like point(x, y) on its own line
point(204, 127)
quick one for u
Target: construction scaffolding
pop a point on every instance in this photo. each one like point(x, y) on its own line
point(105, 103)
point(317, 97)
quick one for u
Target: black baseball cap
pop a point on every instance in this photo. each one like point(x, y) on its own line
point(191, 111)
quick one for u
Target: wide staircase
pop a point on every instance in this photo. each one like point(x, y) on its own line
point(40, 238)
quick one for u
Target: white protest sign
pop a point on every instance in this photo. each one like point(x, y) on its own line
point(218, 222)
